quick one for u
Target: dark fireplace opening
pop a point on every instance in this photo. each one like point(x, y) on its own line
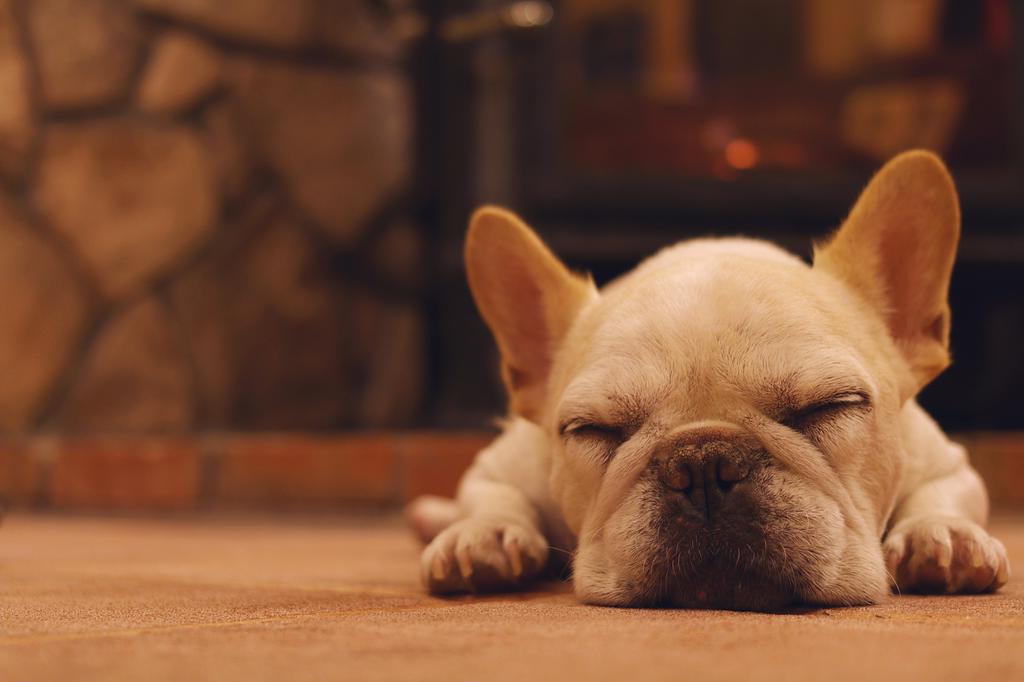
point(616, 127)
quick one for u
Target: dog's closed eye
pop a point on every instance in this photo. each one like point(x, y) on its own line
point(581, 428)
point(601, 441)
point(822, 410)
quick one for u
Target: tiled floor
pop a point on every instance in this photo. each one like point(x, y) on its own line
point(199, 598)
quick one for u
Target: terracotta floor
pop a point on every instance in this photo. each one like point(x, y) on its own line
point(258, 599)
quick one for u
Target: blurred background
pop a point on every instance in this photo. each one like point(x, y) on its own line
point(230, 230)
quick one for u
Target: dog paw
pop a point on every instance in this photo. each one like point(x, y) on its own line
point(482, 555)
point(941, 554)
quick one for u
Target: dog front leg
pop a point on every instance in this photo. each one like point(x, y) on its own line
point(936, 542)
point(494, 540)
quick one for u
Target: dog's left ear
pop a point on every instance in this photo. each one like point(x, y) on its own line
point(897, 249)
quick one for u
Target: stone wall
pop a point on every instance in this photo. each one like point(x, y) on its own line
point(197, 224)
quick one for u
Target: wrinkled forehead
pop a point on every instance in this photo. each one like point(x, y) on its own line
point(710, 337)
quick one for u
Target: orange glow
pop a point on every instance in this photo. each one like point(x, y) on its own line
point(742, 154)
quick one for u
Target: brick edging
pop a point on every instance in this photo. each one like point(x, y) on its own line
point(232, 470)
point(302, 470)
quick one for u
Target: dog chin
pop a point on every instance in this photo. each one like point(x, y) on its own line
point(733, 590)
point(710, 587)
point(739, 591)
point(713, 589)
point(719, 584)
point(646, 557)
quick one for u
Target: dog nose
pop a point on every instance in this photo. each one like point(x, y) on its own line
point(685, 473)
point(705, 472)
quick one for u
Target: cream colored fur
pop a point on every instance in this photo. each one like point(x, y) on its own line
point(725, 334)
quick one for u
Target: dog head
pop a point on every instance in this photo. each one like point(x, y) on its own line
point(725, 419)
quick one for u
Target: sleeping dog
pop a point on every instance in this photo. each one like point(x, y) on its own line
point(725, 426)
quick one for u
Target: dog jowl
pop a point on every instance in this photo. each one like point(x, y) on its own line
point(725, 426)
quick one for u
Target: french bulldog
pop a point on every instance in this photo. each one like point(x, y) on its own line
point(725, 426)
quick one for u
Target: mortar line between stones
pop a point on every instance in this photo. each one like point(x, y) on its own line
point(348, 257)
point(50, 406)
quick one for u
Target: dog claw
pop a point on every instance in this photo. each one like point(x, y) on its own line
point(943, 552)
point(439, 568)
point(465, 565)
point(515, 558)
point(1003, 574)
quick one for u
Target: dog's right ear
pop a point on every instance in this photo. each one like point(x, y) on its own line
point(526, 296)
